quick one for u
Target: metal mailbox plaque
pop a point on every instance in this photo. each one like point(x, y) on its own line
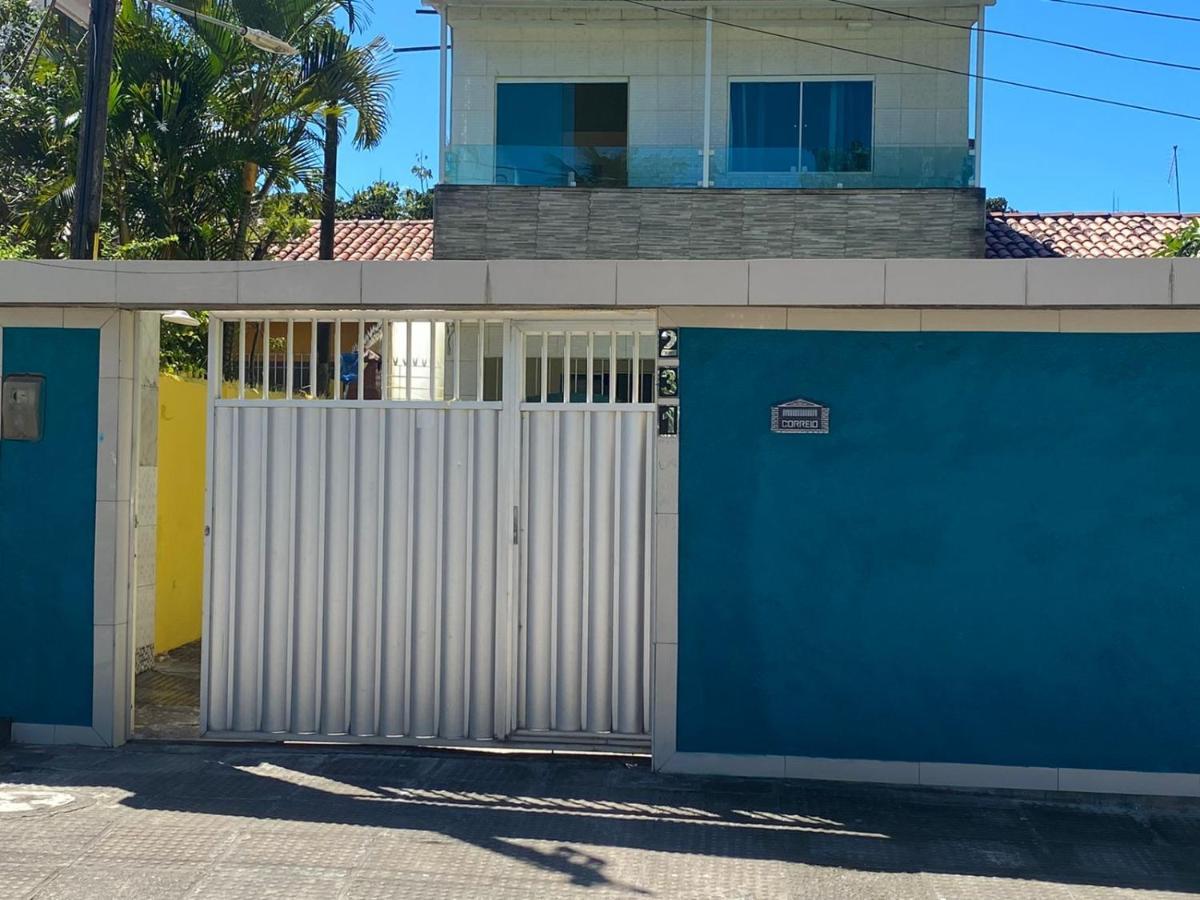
point(800, 417)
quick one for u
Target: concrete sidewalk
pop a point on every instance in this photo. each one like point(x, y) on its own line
point(294, 822)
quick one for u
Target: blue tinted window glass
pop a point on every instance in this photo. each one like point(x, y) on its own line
point(531, 125)
point(836, 133)
point(561, 134)
point(764, 126)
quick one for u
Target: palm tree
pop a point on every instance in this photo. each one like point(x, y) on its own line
point(284, 98)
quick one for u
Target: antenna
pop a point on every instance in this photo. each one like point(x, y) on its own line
point(1173, 178)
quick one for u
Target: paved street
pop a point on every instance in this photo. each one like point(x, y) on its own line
point(248, 821)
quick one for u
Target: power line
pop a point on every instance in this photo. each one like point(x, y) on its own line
point(1130, 9)
point(992, 79)
point(1112, 54)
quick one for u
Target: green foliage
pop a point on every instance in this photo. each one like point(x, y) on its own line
point(1184, 242)
point(998, 204)
point(211, 142)
point(183, 349)
point(15, 249)
point(391, 200)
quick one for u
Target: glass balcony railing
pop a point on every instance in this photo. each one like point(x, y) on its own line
point(882, 167)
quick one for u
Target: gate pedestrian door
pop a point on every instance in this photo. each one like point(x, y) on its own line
point(427, 529)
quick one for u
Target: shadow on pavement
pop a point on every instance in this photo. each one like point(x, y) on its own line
point(568, 815)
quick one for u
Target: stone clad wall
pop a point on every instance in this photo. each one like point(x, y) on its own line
point(506, 222)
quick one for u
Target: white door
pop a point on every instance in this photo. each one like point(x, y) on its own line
point(586, 466)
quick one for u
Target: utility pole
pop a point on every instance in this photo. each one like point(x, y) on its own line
point(93, 129)
point(1175, 178)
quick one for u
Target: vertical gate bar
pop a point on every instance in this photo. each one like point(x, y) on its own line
point(647, 564)
point(468, 571)
point(585, 659)
point(408, 360)
point(618, 501)
point(273, 628)
point(394, 519)
point(553, 540)
point(241, 391)
point(635, 370)
point(361, 387)
point(424, 562)
point(307, 598)
point(353, 418)
point(290, 357)
point(566, 368)
point(545, 373)
point(313, 325)
point(378, 526)
point(480, 354)
point(293, 490)
point(591, 375)
point(338, 393)
point(540, 597)
point(334, 714)
point(612, 367)
point(248, 595)
point(484, 583)
point(568, 593)
point(458, 359)
point(364, 537)
point(630, 579)
point(265, 387)
point(510, 508)
point(433, 365)
point(601, 467)
point(221, 568)
point(453, 593)
point(410, 565)
point(264, 475)
point(439, 555)
point(324, 417)
point(385, 361)
point(277, 519)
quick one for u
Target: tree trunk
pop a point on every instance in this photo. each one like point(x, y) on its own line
point(329, 187)
point(249, 178)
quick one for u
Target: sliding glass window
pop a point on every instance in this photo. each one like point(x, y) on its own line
point(811, 126)
point(562, 134)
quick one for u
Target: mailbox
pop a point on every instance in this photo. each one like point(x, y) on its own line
point(21, 407)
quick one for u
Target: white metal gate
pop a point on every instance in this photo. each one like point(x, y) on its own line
point(403, 548)
point(587, 419)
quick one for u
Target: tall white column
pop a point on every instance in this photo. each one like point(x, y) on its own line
point(980, 35)
point(442, 98)
point(706, 157)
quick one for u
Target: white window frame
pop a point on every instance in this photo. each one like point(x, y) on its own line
point(800, 80)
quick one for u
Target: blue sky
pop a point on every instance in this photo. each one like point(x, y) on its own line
point(1043, 153)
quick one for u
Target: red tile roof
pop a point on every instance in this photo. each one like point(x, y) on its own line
point(356, 240)
point(1078, 235)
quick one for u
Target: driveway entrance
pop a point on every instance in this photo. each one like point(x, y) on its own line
point(425, 528)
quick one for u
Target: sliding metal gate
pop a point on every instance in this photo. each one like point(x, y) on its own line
point(428, 528)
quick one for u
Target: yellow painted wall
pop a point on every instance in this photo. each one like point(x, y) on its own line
point(180, 550)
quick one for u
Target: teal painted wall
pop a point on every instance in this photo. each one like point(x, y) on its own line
point(47, 533)
point(994, 557)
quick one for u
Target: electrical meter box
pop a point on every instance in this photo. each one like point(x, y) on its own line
point(21, 407)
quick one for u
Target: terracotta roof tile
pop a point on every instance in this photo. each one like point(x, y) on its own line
point(356, 240)
point(1078, 235)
